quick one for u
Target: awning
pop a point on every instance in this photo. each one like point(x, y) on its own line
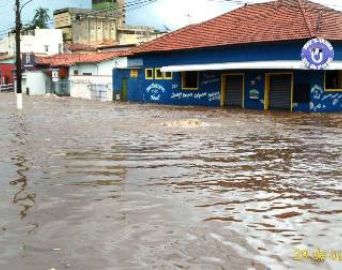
point(296, 65)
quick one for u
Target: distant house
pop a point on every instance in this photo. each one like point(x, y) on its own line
point(38, 41)
point(91, 76)
point(87, 76)
point(41, 42)
point(274, 55)
point(6, 73)
point(6, 69)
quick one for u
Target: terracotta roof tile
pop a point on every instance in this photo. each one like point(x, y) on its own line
point(81, 47)
point(281, 20)
point(5, 56)
point(72, 59)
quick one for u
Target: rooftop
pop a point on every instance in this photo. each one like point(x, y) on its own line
point(282, 20)
point(86, 12)
point(5, 56)
point(67, 60)
point(72, 10)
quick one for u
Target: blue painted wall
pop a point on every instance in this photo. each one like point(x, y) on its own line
point(209, 93)
point(321, 100)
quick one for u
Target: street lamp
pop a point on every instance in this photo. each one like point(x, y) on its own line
point(19, 92)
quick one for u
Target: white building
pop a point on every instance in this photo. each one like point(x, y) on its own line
point(92, 77)
point(34, 82)
point(88, 76)
point(38, 41)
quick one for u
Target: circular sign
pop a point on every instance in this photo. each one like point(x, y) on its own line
point(317, 54)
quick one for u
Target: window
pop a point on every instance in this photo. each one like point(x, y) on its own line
point(75, 72)
point(46, 48)
point(190, 80)
point(134, 73)
point(87, 74)
point(168, 75)
point(149, 73)
point(158, 74)
point(333, 80)
point(301, 93)
point(28, 58)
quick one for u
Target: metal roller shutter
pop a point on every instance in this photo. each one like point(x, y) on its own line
point(234, 88)
point(280, 92)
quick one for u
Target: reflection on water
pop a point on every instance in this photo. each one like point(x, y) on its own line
point(103, 186)
point(22, 197)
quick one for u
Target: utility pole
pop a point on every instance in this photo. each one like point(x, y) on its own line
point(19, 93)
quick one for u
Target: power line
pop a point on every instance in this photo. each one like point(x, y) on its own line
point(325, 6)
point(119, 11)
point(129, 6)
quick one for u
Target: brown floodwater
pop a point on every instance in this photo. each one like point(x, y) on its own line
point(108, 186)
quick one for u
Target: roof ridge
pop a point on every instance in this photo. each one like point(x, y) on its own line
point(164, 36)
point(277, 20)
point(189, 27)
point(307, 22)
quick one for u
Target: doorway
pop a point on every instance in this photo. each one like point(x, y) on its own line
point(279, 91)
point(233, 90)
point(124, 90)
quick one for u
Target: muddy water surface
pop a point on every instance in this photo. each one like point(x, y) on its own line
point(105, 186)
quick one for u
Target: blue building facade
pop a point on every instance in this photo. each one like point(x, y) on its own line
point(259, 88)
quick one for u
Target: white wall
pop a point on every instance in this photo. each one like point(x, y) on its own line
point(104, 68)
point(81, 87)
point(35, 41)
point(83, 68)
point(6, 45)
point(35, 81)
point(102, 76)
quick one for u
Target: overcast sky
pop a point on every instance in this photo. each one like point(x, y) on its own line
point(172, 14)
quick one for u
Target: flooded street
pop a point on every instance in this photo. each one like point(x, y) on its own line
point(91, 186)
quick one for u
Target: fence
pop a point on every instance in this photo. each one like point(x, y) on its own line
point(60, 88)
point(99, 92)
point(96, 88)
point(7, 88)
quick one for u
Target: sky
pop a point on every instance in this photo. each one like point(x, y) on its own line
point(163, 14)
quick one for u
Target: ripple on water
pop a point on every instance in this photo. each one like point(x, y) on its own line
point(127, 186)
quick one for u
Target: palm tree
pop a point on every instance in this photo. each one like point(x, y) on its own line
point(41, 18)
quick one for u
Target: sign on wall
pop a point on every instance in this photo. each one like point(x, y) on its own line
point(55, 75)
point(317, 54)
point(28, 60)
point(254, 94)
point(134, 73)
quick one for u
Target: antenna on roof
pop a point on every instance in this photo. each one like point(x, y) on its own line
point(319, 21)
point(189, 17)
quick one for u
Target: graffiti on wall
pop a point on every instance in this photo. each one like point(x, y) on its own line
point(155, 91)
point(100, 92)
point(210, 78)
point(254, 85)
point(320, 99)
point(175, 86)
point(334, 98)
point(210, 96)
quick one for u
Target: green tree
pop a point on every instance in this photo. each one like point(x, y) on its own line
point(41, 18)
